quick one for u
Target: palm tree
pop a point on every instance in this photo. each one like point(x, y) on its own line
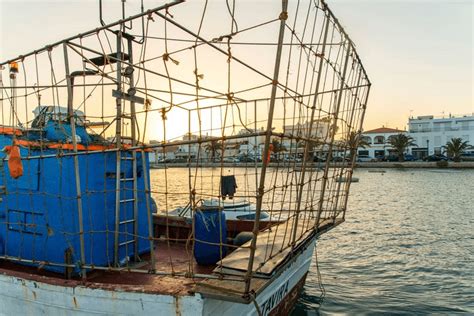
point(277, 147)
point(355, 141)
point(312, 147)
point(213, 147)
point(400, 143)
point(455, 147)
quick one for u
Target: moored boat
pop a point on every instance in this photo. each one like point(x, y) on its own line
point(86, 228)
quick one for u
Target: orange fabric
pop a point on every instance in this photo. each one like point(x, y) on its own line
point(14, 161)
point(66, 146)
point(28, 143)
point(269, 154)
point(99, 147)
point(10, 131)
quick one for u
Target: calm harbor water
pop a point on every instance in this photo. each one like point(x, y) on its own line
point(407, 247)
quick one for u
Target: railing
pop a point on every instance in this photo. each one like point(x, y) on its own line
point(184, 82)
point(446, 129)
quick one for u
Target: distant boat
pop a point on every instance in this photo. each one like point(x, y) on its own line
point(376, 171)
point(346, 179)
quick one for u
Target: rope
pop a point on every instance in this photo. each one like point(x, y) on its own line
point(319, 281)
point(212, 85)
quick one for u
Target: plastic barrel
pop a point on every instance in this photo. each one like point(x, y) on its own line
point(210, 227)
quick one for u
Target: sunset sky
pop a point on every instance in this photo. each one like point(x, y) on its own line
point(418, 54)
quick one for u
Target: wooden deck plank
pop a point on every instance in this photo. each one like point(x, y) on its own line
point(273, 246)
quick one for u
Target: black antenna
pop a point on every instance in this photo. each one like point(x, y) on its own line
point(100, 13)
point(142, 8)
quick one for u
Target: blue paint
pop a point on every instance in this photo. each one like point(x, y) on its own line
point(210, 227)
point(55, 131)
point(39, 212)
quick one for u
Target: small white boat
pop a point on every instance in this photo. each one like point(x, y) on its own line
point(377, 171)
point(233, 209)
point(346, 179)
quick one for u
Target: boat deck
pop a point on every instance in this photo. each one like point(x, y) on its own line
point(173, 263)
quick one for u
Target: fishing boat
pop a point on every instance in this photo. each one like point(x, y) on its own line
point(239, 217)
point(87, 228)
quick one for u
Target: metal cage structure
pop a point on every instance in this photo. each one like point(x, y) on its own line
point(269, 95)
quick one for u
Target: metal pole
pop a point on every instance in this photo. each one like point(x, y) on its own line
point(313, 111)
point(283, 17)
point(76, 160)
point(353, 151)
point(118, 140)
point(352, 155)
point(148, 212)
point(353, 158)
point(134, 153)
point(333, 133)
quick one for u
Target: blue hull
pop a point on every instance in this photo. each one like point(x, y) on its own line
point(39, 211)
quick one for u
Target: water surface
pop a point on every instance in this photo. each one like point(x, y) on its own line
point(407, 247)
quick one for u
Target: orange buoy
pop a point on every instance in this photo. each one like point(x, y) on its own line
point(269, 153)
point(14, 161)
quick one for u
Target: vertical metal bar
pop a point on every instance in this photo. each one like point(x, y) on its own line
point(333, 133)
point(256, 146)
point(261, 188)
point(353, 158)
point(353, 154)
point(148, 211)
point(1, 95)
point(76, 160)
point(13, 100)
point(313, 111)
point(134, 154)
point(191, 191)
point(118, 140)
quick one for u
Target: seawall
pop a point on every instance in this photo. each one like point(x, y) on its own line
point(405, 164)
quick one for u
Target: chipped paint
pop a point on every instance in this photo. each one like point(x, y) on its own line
point(54, 299)
point(178, 312)
point(75, 298)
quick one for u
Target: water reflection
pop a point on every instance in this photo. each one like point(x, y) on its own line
point(407, 247)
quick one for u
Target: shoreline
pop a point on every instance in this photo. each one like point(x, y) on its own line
point(361, 165)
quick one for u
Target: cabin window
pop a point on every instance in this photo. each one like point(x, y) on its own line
point(28, 222)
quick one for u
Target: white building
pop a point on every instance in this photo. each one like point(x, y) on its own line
point(432, 133)
point(251, 145)
point(378, 139)
point(319, 130)
point(159, 153)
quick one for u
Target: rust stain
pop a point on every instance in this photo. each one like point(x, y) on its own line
point(288, 302)
point(176, 300)
point(25, 290)
point(75, 302)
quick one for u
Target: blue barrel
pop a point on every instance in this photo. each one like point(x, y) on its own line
point(210, 227)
